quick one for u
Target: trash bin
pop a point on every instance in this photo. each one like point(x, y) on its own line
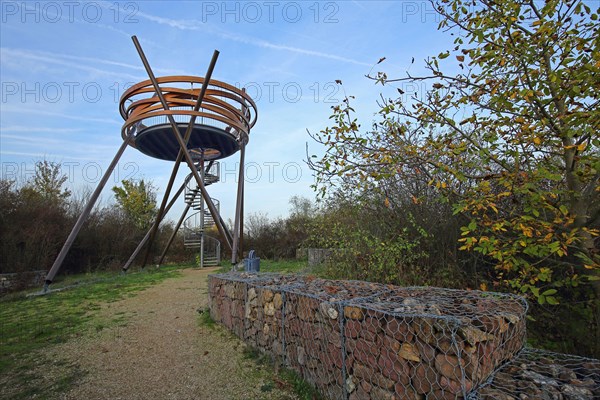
point(252, 263)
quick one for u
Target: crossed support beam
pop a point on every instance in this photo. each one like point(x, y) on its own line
point(180, 155)
point(231, 241)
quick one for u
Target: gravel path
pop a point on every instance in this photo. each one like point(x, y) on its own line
point(161, 351)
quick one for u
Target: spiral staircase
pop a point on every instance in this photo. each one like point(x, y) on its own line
point(198, 226)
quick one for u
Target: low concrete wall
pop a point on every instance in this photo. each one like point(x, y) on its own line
point(21, 280)
point(318, 256)
point(313, 255)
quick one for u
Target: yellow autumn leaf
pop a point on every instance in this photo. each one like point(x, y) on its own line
point(537, 140)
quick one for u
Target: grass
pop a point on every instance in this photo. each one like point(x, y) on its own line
point(30, 324)
point(302, 388)
point(282, 376)
point(283, 266)
point(204, 319)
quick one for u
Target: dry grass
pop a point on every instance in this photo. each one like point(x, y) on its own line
point(154, 346)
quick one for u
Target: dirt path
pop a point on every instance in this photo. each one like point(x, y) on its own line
point(161, 351)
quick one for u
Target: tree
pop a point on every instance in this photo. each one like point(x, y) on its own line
point(510, 141)
point(33, 219)
point(301, 207)
point(47, 183)
point(138, 200)
point(256, 224)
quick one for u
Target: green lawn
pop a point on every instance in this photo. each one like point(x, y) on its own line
point(28, 324)
point(284, 266)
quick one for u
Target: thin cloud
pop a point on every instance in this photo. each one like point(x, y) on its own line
point(298, 50)
point(11, 109)
point(36, 129)
point(46, 142)
point(57, 145)
point(196, 25)
point(14, 54)
point(107, 62)
point(181, 24)
point(48, 155)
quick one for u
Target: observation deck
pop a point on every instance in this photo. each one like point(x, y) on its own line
point(221, 124)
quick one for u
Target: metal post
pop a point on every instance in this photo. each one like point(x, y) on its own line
point(188, 133)
point(242, 225)
point(238, 224)
point(148, 234)
point(219, 222)
point(202, 218)
point(174, 234)
point(86, 211)
point(238, 207)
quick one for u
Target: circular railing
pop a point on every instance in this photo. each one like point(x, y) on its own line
point(224, 107)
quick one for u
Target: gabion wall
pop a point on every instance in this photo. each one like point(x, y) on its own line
point(541, 374)
point(357, 340)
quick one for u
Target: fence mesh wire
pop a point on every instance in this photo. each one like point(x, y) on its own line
point(541, 374)
point(442, 343)
point(357, 340)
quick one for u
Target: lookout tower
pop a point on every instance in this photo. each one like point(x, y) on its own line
point(185, 119)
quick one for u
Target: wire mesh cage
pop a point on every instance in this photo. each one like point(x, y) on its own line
point(229, 300)
point(313, 329)
point(265, 315)
point(542, 374)
point(356, 340)
point(417, 341)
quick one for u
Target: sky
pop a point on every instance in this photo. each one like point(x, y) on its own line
point(64, 65)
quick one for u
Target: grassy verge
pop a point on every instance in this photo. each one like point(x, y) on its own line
point(29, 324)
point(283, 266)
point(282, 377)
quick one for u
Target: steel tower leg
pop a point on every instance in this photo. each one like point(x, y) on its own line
point(238, 208)
point(86, 212)
point(242, 225)
point(174, 234)
point(148, 234)
point(202, 217)
point(211, 206)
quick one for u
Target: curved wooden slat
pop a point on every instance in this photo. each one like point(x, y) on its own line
point(223, 104)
